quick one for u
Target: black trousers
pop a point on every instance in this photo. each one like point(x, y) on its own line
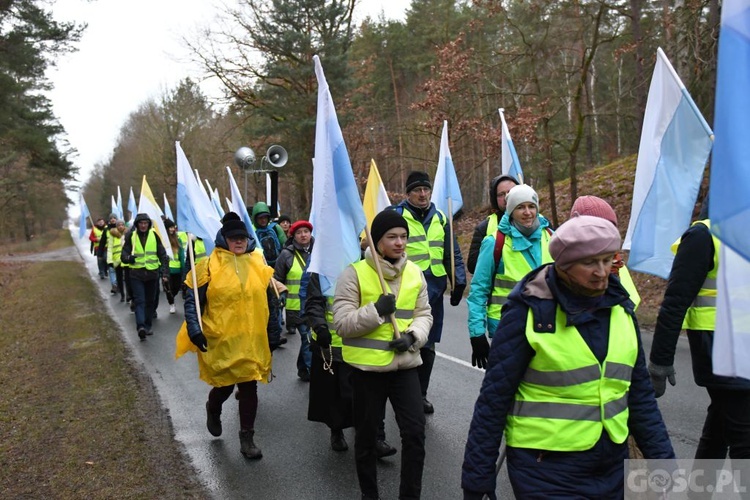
point(247, 396)
point(370, 392)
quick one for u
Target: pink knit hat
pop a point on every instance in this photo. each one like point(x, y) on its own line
point(581, 237)
point(594, 206)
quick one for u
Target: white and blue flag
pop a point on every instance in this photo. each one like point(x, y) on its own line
point(729, 203)
point(446, 194)
point(84, 215)
point(167, 209)
point(510, 165)
point(675, 144)
point(337, 215)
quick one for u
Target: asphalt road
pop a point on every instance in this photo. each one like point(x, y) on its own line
point(297, 459)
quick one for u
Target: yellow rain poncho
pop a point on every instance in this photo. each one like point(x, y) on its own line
point(235, 319)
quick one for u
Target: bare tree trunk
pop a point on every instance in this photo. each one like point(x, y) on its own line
point(548, 163)
point(640, 81)
point(397, 105)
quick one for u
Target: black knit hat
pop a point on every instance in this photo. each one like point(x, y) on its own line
point(417, 179)
point(385, 220)
point(233, 226)
point(168, 223)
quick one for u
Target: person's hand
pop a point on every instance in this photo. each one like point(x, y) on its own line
point(480, 351)
point(386, 304)
point(282, 300)
point(457, 294)
point(165, 280)
point(402, 343)
point(659, 376)
point(200, 342)
point(322, 336)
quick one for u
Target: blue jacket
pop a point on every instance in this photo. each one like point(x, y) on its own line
point(510, 355)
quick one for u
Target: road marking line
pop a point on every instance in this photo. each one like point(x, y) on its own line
point(459, 361)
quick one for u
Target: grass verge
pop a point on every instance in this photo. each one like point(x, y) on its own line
point(78, 420)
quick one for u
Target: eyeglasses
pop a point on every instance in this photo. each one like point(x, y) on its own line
point(421, 190)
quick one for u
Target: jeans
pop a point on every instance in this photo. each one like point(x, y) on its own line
point(304, 358)
point(112, 276)
point(370, 392)
point(144, 293)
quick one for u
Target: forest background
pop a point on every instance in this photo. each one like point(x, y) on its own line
point(572, 76)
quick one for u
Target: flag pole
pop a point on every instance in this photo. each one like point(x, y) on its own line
point(374, 251)
point(191, 256)
point(450, 228)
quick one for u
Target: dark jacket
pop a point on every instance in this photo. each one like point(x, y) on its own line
point(273, 328)
point(510, 355)
point(127, 252)
point(286, 258)
point(480, 231)
point(425, 216)
point(693, 261)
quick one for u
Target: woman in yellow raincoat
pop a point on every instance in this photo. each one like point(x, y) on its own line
point(231, 330)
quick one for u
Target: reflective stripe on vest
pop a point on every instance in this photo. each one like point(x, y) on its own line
point(200, 250)
point(426, 249)
point(491, 225)
point(293, 282)
point(335, 339)
point(145, 258)
point(566, 396)
point(701, 315)
point(372, 349)
point(515, 267)
point(116, 245)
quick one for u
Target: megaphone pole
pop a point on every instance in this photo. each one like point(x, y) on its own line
point(274, 176)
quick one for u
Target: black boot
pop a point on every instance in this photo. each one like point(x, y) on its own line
point(338, 443)
point(213, 422)
point(247, 446)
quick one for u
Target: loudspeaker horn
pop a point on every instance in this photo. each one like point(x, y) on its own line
point(244, 157)
point(277, 156)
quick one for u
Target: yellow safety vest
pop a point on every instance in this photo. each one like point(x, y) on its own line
point(145, 257)
point(97, 233)
point(372, 349)
point(174, 262)
point(629, 285)
point(426, 249)
point(701, 315)
point(200, 250)
point(293, 282)
point(566, 397)
point(335, 339)
point(515, 267)
point(116, 246)
point(491, 225)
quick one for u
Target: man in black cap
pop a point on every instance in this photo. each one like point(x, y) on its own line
point(429, 247)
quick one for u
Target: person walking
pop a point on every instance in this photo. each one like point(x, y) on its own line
point(384, 366)
point(690, 303)
point(519, 245)
point(499, 188)
point(176, 265)
point(114, 257)
point(291, 270)
point(229, 334)
point(271, 237)
point(429, 247)
point(144, 252)
point(567, 381)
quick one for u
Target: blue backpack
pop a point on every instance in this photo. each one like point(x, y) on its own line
point(269, 242)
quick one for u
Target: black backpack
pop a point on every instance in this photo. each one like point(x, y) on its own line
point(269, 242)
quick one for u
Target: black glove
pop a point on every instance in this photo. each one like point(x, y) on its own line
point(480, 351)
point(282, 300)
point(402, 343)
point(323, 336)
point(200, 342)
point(131, 260)
point(386, 304)
point(457, 294)
point(659, 376)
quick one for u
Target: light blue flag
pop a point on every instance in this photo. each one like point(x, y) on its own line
point(675, 144)
point(132, 207)
point(120, 213)
point(84, 215)
point(237, 205)
point(729, 203)
point(113, 206)
point(195, 213)
point(446, 194)
point(217, 202)
point(167, 209)
point(337, 215)
point(510, 165)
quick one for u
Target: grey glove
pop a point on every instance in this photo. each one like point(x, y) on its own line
point(386, 304)
point(659, 376)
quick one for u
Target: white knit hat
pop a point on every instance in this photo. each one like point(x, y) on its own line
point(520, 194)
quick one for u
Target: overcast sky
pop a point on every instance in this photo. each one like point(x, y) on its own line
point(130, 52)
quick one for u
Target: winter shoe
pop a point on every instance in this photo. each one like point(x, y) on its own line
point(172, 309)
point(383, 449)
point(142, 334)
point(303, 374)
point(213, 422)
point(427, 406)
point(247, 446)
point(338, 443)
